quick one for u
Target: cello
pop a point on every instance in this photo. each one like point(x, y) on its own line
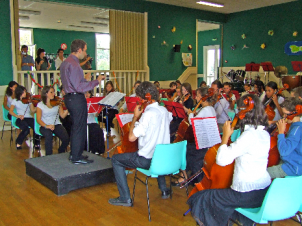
point(268, 109)
point(185, 130)
point(215, 176)
point(126, 145)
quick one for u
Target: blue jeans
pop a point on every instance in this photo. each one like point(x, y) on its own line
point(131, 160)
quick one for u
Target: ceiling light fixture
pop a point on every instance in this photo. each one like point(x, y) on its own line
point(80, 27)
point(210, 4)
point(23, 17)
point(29, 12)
point(94, 24)
point(101, 19)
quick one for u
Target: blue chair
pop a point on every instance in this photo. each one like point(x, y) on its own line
point(6, 119)
point(282, 201)
point(167, 159)
point(161, 101)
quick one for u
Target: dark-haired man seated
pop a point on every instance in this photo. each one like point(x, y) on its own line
point(150, 128)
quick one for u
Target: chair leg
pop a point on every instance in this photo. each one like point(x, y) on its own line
point(11, 134)
point(170, 186)
point(3, 130)
point(271, 223)
point(134, 186)
point(148, 199)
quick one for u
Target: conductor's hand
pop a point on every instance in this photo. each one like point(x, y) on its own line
point(88, 76)
point(227, 130)
point(137, 111)
point(101, 77)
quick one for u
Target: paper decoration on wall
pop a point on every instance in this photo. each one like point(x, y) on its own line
point(158, 27)
point(233, 47)
point(263, 46)
point(293, 48)
point(225, 61)
point(190, 47)
point(164, 43)
point(270, 32)
point(214, 39)
point(245, 46)
point(295, 33)
point(153, 36)
point(187, 59)
point(173, 29)
point(243, 36)
point(181, 42)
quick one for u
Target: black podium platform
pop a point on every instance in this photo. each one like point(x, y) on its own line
point(58, 174)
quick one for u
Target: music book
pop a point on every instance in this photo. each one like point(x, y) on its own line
point(131, 103)
point(206, 132)
point(93, 106)
point(111, 99)
point(124, 118)
point(175, 108)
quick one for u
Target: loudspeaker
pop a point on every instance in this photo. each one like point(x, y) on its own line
point(176, 48)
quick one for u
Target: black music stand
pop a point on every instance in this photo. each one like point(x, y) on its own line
point(252, 67)
point(267, 67)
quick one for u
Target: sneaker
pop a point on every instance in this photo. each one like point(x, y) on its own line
point(165, 194)
point(118, 202)
point(96, 153)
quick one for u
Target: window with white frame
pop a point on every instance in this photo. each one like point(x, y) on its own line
point(26, 38)
point(102, 51)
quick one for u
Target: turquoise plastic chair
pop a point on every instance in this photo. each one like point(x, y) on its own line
point(282, 201)
point(167, 159)
point(14, 119)
point(7, 120)
point(162, 103)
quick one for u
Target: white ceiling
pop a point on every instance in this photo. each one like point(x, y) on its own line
point(68, 15)
point(230, 6)
point(73, 15)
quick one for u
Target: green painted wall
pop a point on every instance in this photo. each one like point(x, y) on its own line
point(283, 19)
point(6, 72)
point(205, 38)
point(164, 64)
point(51, 41)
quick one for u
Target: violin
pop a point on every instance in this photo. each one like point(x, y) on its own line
point(185, 130)
point(57, 101)
point(185, 98)
point(215, 176)
point(268, 109)
point(31, 99)
point(127, 146)
point(274, 155)
point(169, 93)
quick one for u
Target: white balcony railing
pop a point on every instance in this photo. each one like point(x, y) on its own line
point(123, 80)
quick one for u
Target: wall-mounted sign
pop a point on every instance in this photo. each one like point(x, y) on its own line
point(63, 46)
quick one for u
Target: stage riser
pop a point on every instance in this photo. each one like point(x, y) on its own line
point(46, 170)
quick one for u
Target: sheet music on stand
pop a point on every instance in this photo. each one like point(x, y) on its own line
point(206, 132)
point(112, 99)
point(124, 118)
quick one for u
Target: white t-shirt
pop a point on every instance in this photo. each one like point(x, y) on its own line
point(153, 128)
point(49, 115)
point(58, 62)
point(9, 101)
point(91, 118)
point(250, 152)
point(277, 114)
point(207, 111)
point(22, 109)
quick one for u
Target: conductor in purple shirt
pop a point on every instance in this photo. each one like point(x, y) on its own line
point(75, 85)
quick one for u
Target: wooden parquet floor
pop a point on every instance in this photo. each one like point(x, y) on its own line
point(24, 201)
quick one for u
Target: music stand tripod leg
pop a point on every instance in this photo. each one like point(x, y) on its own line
point(87, 138)
point(107, 137)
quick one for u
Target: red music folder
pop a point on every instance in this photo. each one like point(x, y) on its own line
point(267, 66)
point(252, 67)
point(297, 66)
point(131, 103)
point(176, 109)
point(93, 106)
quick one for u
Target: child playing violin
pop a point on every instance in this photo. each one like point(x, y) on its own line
point(271, 90)
point(96, 135)
point(24, 118)
point(9, 96)
point(214, 207)
point(195, 157)
point(49, 121)
point(289, 146)
point(228, 95)
point(186, 100)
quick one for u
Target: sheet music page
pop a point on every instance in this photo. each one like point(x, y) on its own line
point(124, 118)
point(206, 132)
point(112, 99)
